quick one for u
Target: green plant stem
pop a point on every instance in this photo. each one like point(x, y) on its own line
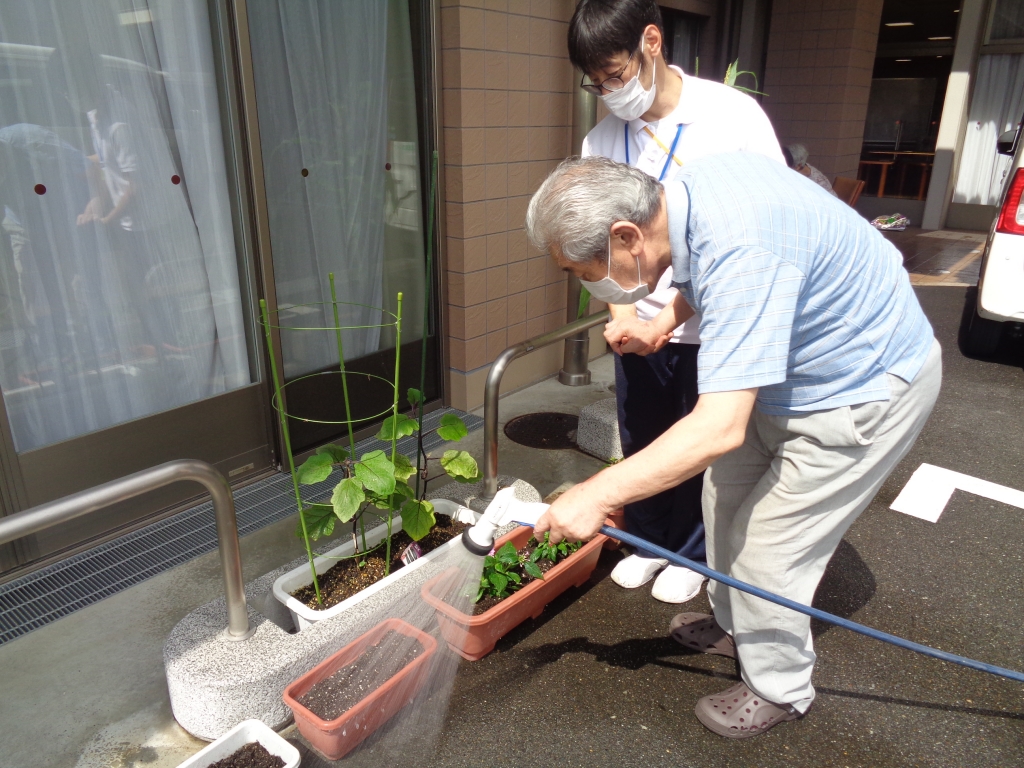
point(426, 320)
point(344, 387)
point(288, 445)
point(394, 417)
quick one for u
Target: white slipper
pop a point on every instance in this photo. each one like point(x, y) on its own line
point(677, 585)
point(635, 571)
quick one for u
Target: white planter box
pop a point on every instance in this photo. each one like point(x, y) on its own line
point(242, 734)
point(303, 615)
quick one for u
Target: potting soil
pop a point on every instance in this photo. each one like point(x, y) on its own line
point(335, 695)
point(251, 755)
point(347, 577)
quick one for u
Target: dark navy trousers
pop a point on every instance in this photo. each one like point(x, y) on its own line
point(653, 393)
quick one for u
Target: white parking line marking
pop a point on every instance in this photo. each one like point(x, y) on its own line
point(928, 491)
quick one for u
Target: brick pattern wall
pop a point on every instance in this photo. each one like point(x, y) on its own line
point(818, 77)
point(507, 121)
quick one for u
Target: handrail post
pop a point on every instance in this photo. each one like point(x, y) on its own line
point(493, 386)
point(77, 504)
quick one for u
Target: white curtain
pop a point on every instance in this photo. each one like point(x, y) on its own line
point(119, 289)
point(337, 115)
point(996, 107)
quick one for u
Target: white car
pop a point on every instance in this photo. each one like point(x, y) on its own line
point(999, 304)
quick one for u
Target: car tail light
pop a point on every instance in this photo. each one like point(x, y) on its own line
point(1011, 217)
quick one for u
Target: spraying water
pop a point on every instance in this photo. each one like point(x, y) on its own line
point(409, 669)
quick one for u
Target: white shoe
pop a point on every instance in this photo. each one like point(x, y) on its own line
point(677, 585)
point(635, 571)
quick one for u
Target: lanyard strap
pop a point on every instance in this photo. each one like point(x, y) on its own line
point(671, 152)
point(625, 133)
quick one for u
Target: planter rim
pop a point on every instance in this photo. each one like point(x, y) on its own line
point(244, 733)
point(312, 615)
point(483, 618)
point(291, 694)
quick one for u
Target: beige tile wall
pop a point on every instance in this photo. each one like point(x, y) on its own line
point(506, 83)
point(818, 77)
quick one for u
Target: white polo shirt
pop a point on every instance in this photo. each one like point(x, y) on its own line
point(710, 118)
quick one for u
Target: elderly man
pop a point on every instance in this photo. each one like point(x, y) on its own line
point(817, 370)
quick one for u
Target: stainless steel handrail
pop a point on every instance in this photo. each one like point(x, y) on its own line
point(493, 385)
point(82, 503)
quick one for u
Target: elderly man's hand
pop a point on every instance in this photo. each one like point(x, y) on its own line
point(576, 515)
point(630, 335)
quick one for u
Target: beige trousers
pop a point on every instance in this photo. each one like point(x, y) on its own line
point(776, 508)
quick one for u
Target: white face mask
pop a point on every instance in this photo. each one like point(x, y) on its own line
point(610, 292)
point(631, 101)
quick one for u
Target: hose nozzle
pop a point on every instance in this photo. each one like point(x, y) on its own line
point(479, 538)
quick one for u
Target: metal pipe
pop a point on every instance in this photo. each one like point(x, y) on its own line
point(70, 507)
point(576, 355)
point(493, 385)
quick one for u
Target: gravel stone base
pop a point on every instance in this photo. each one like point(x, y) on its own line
point(598, 432)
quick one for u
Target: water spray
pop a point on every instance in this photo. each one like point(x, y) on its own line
point(479, 539)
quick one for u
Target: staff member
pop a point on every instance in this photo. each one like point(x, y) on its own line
point(817, 370)
point(660, 120)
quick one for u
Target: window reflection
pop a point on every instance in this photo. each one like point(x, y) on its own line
point(119, 291)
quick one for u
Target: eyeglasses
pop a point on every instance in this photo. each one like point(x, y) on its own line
point(610, 84)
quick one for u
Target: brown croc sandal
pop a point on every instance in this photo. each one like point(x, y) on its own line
point(739, 713)
point(700, 632)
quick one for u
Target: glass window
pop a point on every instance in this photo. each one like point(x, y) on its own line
point(338, 128)
point(996, 106)
point(119, 288)
point(1007, 20)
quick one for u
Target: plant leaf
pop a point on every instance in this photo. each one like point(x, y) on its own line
point(417, 518)
point(336, 452)
point(460, 466)
point(403, 467)
point(414, 396)
point(315, 469)
point(348, 496)
point(319, 519)
point(397, 426)
point(507, 553)
point(513, 576)
point(533, 570)
point(452, 428)
point(498, 582)
point(376, 473)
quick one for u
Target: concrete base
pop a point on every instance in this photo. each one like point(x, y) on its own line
point(598, 432)
point(215, 683)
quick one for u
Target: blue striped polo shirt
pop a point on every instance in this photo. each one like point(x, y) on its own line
point(798, 295)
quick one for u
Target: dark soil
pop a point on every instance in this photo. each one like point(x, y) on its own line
point(335, 695)
point(252, 755)
point(346, 578)
point(487, 602)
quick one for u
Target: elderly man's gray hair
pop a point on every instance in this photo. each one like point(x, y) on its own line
point(579, 201)
point(799, 153)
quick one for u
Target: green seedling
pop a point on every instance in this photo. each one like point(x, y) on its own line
point(505, 571)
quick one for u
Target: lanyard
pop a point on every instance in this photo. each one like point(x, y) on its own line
point(670, 152)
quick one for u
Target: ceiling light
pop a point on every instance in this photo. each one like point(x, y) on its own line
point(957, 11)
point(900, 24)
point(902, 59)
point(943, 37)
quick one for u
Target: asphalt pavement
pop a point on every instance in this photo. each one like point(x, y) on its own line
point(596, 681)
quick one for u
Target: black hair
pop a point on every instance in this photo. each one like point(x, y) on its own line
point(600, 29)
point(789, 156)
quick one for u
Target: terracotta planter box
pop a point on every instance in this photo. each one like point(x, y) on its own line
point(473, 637)
point(336, 738)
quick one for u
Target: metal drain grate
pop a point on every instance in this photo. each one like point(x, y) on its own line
point(543, 430)
point(62, 588)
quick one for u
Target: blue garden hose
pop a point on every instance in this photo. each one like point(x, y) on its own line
point(814, 613)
